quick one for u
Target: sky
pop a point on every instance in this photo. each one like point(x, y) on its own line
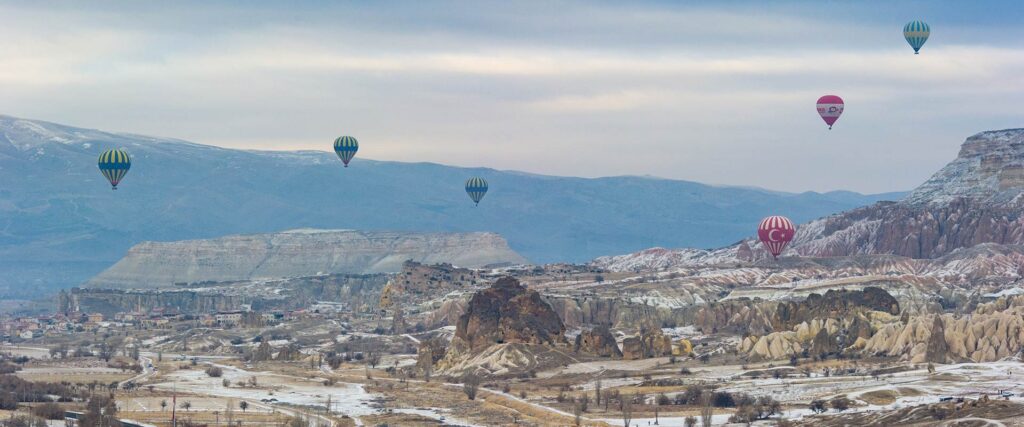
point(716, 92)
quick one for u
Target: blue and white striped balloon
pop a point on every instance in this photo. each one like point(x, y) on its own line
point(916, 33)
point(476, 188)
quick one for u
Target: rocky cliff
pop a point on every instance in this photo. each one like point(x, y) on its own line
point(975, 199)
point(359, 292)
point(297, 253)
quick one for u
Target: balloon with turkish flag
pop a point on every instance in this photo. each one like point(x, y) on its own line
point(775, 233)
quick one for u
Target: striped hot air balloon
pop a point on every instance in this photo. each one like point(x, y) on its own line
point(114, 165)
point(476, 188)
point(775, 232)
point(916, 33)
point(830, 107)
point(345, 147)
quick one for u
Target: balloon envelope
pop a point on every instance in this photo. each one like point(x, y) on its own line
point(345, 147)
point(830, 107)
point(114, 165)
point(916, 33)
point(775, 233)
point(476, 188)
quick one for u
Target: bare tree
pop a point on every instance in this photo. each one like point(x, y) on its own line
point(577, 410)
point(627, 409)
point(373, 360)
point(705, 409)
point(597, 393)
point(229, 412)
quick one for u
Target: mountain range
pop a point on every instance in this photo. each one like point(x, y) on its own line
point(60, 223)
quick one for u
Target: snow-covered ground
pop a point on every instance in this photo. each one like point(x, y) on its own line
point(348, 399)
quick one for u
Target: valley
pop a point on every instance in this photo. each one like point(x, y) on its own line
point(338, 328)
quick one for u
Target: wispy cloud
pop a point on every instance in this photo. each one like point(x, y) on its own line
point(699, 93)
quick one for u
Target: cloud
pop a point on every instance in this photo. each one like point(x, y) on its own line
point(698, 93)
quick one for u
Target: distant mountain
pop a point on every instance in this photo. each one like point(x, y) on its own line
point(297, 253)
point(976, 199)
point(60, 223)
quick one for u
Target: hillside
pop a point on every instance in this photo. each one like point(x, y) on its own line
point(976, 199)
point(61, 224)
point(297, 253)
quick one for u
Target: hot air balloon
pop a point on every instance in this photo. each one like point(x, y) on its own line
point(476, 188)
point(114, 165)
point(830, 107)
point(775, 232)
point(916, 33)
point(346, 147)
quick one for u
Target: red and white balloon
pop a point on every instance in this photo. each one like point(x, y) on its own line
point(775, 233)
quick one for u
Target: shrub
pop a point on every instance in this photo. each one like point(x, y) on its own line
point(215, 371)
point(840, 403)
point(50, 411)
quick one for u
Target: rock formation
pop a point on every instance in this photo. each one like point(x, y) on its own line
point(993, 332)
point(508, 312)
point(650, 342)
point(597, 341)
point(357, 291)
point(506, 329)
point(417, 283)
point(834, 323)
point(428, 353)
point(975, 199)
point(296, 253)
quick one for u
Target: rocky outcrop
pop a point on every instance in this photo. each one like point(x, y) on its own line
point(937, 350)
point(776, 345)
point(975, 199)
point(506, 329)
point(360, 292)
point(633, 348)
point(428, 353)
point(988, 334)
point(508, 312)
point(296, 253)
point(834, 304)
point(736, 316)
point(417, 283)
point(597, 341)
point(745, 316)
point(650, 342)
point(837, 322)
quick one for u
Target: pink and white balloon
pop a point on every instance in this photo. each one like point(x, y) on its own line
point(830, 107)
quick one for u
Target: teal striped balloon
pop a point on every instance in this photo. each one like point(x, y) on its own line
point(476, 188)
point(916, 33)
point(114, 165)
point(345, 147)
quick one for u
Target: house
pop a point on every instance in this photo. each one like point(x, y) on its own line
point(95, 318)
point(228, 317)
